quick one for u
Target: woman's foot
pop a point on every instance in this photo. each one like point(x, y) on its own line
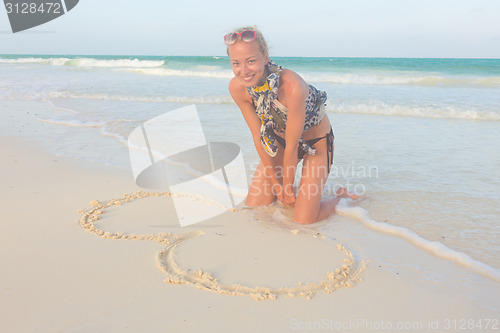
point(344, 193)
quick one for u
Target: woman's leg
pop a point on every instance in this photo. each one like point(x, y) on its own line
point(309, 207)
point(260, 192)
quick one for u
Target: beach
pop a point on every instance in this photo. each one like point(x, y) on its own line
point(419, 253)
point(60, 278)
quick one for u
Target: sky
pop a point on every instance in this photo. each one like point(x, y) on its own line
point(327, 28)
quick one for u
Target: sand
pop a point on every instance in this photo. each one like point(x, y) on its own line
point(84, 251)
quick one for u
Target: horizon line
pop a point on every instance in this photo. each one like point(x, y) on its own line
point(225, 56)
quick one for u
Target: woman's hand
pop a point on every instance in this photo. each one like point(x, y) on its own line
point(287, 196)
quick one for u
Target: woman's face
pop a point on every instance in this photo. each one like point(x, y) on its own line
point(248, 63)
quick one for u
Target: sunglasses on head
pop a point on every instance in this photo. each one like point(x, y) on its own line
point(246, 36)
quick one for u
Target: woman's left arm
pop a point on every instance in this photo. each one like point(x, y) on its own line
point(295, 91)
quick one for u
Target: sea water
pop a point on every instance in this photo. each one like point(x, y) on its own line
point(418, 137)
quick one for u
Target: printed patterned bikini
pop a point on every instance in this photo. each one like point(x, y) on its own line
point(273, 115)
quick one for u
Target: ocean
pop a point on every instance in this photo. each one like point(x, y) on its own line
point(420, 138)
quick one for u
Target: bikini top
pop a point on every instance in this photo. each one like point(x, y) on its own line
point(273, 114)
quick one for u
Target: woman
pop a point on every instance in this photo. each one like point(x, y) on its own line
point(287, 120)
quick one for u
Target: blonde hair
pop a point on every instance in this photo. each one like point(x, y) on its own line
point(259, 38)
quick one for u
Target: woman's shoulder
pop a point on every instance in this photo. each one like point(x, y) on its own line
point(236, 87)
point(290, 80)
point(238, 91)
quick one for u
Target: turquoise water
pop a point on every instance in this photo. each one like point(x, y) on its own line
point(420, 137)
point(473, 67)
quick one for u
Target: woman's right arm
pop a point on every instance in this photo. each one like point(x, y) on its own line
point(242, 99)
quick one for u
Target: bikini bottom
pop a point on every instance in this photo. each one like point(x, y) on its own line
point(311, 142)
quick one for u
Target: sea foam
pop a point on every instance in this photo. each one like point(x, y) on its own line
point(145, 99)
point(333, 75)
point(215, 74)
point(86, 62)
point(405, 79)
point(383, 109)
point(436, 248)
point(448, 112)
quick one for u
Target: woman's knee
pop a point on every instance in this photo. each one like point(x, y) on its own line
point(260, 192)
point(306, 212)
point(305, 217)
